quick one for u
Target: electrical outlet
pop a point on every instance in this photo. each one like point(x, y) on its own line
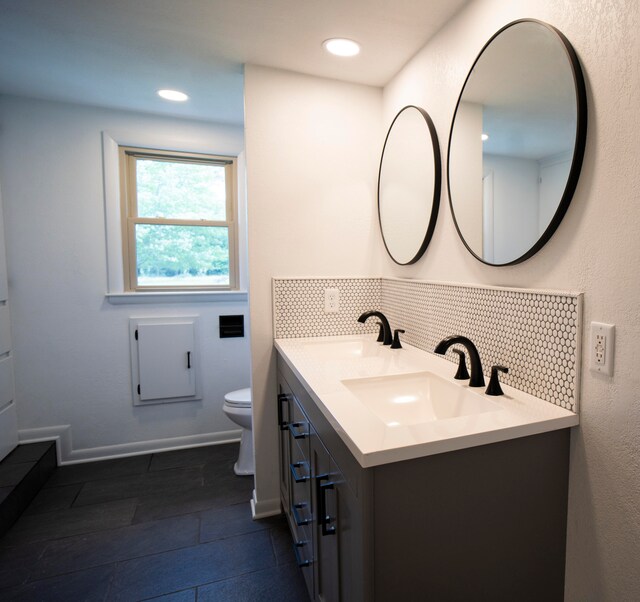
point(331, 300)
point(602, 347)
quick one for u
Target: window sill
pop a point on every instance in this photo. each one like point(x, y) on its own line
point(175, 297)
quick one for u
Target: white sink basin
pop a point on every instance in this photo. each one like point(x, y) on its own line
point(407, 399)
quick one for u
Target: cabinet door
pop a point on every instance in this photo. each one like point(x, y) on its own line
point(284, 411)
point(327, 485)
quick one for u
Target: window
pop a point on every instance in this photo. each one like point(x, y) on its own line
point(179, 227)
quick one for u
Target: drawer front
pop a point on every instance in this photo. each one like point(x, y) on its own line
point(300, 472)
point(299, 429)
point(303, 549)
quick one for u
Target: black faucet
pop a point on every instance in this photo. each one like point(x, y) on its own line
point(477, 378)
point(386, 329)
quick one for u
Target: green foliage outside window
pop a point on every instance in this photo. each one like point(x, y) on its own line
point(181, 254)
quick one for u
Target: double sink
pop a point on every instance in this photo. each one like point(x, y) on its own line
point(396, 404)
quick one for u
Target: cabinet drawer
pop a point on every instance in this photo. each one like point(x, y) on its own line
point(299, 429)
point(303, 549)
point(300, 472)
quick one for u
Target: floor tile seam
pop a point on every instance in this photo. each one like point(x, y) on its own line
point(67, 573)
point(112, 579)
point(119, 562)
point(273, 546)
point(177, 591)
point(199, 465)
point(107, 563)
point(52, 511)
point(53, 539)
point(139, 474)
point(235, 576)
point(48, 542)
point(130, 525)
point(110, 501)
point(225, 537)
point(85, 481)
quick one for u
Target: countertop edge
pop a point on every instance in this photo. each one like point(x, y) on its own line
point(420, 450)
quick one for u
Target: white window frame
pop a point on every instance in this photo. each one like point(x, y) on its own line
point(128, 156)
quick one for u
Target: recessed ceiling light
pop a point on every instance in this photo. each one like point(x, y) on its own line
point(484, 137)
point(174, 95)
point(341, 47)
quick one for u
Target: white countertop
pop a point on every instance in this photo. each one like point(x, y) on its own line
point(322, 363)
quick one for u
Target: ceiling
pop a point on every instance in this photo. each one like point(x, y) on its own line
point(117, 53)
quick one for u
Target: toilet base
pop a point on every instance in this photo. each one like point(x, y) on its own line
point(245, 464)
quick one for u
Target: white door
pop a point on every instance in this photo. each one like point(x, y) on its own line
point(487, 218)
point(8, 416)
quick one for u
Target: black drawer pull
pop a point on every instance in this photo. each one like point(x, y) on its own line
point(300, 520)
point(282, 398)
point(296, 477)
point(323, 518)
point(298, 434)
point(296, 549)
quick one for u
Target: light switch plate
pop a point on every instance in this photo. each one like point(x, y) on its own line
point(602, 347)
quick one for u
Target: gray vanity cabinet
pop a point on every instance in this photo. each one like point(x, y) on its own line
point(486, 523)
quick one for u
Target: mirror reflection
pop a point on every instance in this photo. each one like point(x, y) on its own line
point(516, 143)
point(409, 185)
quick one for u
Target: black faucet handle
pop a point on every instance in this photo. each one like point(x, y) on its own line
point(380, 333)
point(396, 338)
point(462, 373)
point(494, 387)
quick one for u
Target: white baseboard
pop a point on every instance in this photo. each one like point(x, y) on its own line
point(68, 455)
point(60, 434)
point(264, 508)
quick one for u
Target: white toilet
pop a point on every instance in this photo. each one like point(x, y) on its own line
point(237, 407)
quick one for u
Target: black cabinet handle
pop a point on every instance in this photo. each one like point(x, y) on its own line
point(323, 518)
point(188, 360)
point(300, 520)
point(296, 550)
point(298, 434)
point(298, 478)
point(282, 398)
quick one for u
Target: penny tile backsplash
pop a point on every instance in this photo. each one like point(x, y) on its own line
point(536, 334)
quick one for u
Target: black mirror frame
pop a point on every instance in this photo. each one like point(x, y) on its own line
point(578, 150)
point(437, 185)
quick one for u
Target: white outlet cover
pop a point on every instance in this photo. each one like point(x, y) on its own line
point(331, 300)
point(601, 348)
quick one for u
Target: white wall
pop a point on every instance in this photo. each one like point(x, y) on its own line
point(467, 151)
point(313, 147)
point(516, 202)
point(553, 180)
point(596, 249)
point(72, 360)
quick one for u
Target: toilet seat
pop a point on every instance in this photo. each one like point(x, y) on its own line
point(240, 398)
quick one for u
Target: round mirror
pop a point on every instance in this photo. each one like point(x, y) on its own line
point(409, 185)
point(516, 143)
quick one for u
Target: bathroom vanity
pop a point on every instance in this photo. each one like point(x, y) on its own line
point(431, 506)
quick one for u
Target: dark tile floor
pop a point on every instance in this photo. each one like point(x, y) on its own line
point(174, 526)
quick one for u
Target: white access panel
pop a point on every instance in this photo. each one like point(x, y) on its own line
point(165, 360)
